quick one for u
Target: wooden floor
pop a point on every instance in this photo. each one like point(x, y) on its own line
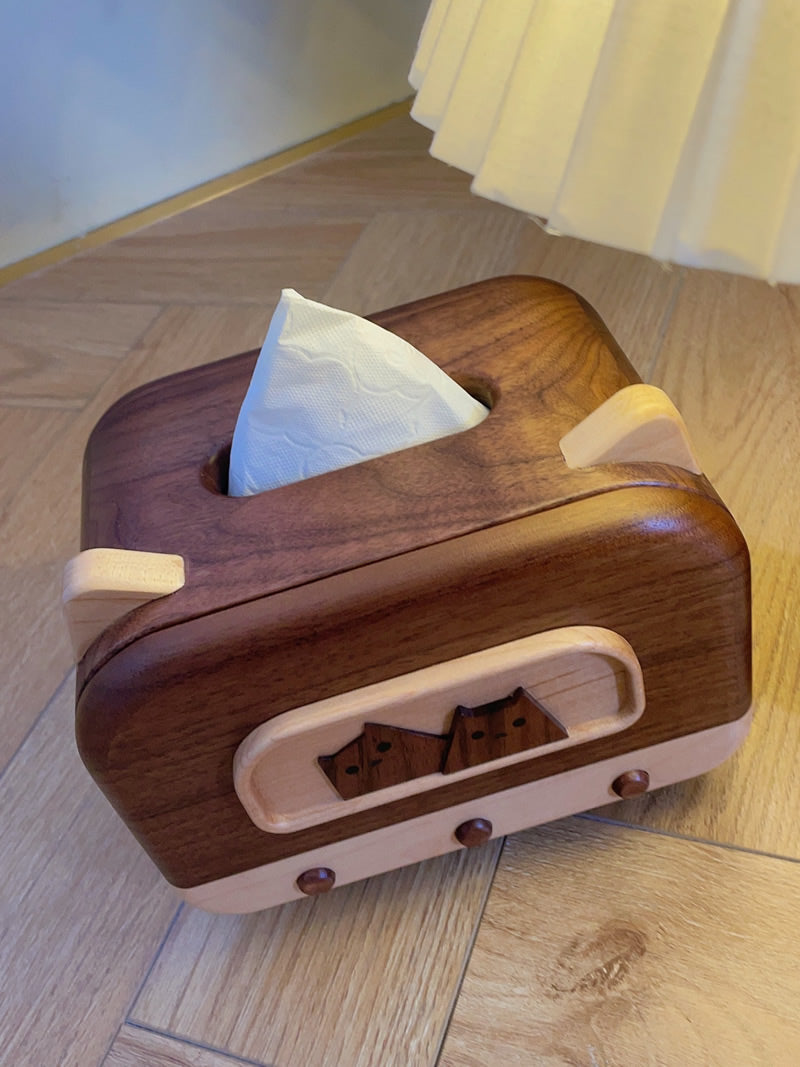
point(663, 931)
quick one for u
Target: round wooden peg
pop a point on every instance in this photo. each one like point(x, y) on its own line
point(317, 880)
point(474, 832)
point(631, 784)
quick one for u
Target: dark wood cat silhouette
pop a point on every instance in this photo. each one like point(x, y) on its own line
point(387, 755)
point(382, 756)
point(502, 727)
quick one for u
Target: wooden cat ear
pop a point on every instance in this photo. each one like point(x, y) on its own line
point(102, 584)
point(638, 424)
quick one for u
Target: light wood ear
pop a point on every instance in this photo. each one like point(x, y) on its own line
point(637, 424)
point(102, 584)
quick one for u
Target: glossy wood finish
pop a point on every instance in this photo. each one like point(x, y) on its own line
point(316, 880)
point(432, 834)
point(667, 553)
point(331, 603)
point(522, 538)
point(41, 518)
point(474, 832)
point(527, 346)
point(631, 784)
point(383, 756)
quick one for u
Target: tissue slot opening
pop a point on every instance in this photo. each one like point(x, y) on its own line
point(214, 472)
point(485, 392)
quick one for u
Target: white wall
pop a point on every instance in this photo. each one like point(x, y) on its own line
point(111, 105)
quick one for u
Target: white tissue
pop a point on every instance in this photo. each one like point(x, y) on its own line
point(331, 389)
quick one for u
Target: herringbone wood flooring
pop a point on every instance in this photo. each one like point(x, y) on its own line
point(662, 931)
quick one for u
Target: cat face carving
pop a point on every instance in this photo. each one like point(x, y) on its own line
point(382, 756)
point(386, 755)
point(500, 728)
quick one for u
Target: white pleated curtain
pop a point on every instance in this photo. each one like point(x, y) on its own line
point(668, 127)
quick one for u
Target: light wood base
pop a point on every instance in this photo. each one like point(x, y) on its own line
point(433, 835)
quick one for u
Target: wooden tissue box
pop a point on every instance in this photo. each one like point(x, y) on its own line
point(413, 654)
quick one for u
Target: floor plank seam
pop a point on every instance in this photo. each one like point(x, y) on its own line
point(103, 1059)
point(658, 832)
point(663, 328)
point(331, 282)
point(200, 1045)
point(664, 325)
point(159, 308)
point(149, 970)
point(468, 955)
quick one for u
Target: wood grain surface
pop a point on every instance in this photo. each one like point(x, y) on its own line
point(589, 679)
point(84, 914)
point(382, 756)
point(639, 422)
point(371, 525)
point(490, 731)
point(102, 584)
point(418, 923)
point(663, 959)
point(41, 526)
point(224, 267)
point(143, 490)
point(83, 909)
point(28, 434)
point(675, 555)
point(58, 355)
point(135, 1046)
point(475, 245)
point(731, 362)
point(634, 295)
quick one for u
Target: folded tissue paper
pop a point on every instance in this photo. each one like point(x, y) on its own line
point(330, 389)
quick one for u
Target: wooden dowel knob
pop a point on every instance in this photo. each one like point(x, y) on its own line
point(474, 832)
point(317, 880)
point(631, 784)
